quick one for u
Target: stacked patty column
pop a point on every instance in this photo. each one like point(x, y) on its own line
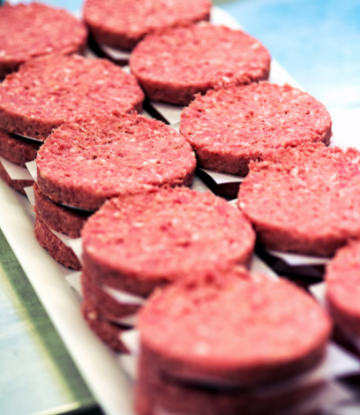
point(137, 243)
point(213, 345)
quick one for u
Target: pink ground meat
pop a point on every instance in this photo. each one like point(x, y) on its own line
point(182, 62)
point(31, 30)
point(16, 150)
point(304, 199)
point(230, 127)
point(143, 241)
point(56, 248)
point(343, 288)
point(89, 160)
point(123, 23)
point(234, 330)
point(48, 91)
point(108, 332)
point(57, 217)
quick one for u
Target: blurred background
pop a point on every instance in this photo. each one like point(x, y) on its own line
point(318, 43)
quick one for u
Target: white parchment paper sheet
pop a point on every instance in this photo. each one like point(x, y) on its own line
point(15, 171)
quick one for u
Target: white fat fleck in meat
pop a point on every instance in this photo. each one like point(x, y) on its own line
point(295, 171)
point(201, 348)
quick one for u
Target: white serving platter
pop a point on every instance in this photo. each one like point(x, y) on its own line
point(98, 365)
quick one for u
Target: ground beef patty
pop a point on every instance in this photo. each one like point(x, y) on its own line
point(215, 319)
point(182, 62)
point(123, 23)
point(57, 217)
point(89, 160)
point(108, 332)
point(48, 91)
point(17, 150)
point(178, 397)
point(140, 242)
point(17, 185)
point(343, 288)
point(230, 127)
point(56, 248)
point(28, 31)
point(111, 309)
point(304, 199)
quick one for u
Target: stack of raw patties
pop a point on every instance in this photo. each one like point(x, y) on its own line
point(135, 244)
point(215, 338)
point(28, 31)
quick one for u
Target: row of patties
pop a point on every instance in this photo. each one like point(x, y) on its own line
point(152, 236)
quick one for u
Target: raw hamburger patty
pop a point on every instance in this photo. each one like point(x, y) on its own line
point(48, 91)
point(140, 242)
point(56, 248)
point(17, 150)
point(182, 62)
point(17, 185)
point(230, 127)
point(176, 397)
point(108, 332)
point(123, 23)
point(57, 217)
point(28, 31)
point(304, 199)
point(343, 288)
point(89, 160)
point(232, 329)
point(110, 308)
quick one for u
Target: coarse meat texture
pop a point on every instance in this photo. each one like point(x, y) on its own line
point(110, 308)
point(56, 248)
point(193, 330)
point(304, 199)
point(123, 23)
point(108, 332)
point(156, 393)
point(17, 150)
point(230, 127)
point(31, 30)
point(17, 185)
point(48, 91)
point(143, 241)
point(343, 288)
point(176, 65)
point(59, 218)
point(89, 160)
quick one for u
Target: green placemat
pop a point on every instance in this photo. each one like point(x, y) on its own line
point(37, 374)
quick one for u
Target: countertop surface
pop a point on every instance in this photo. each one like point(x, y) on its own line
point(318, 43)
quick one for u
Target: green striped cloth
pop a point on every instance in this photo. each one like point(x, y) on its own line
point(37, 375)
